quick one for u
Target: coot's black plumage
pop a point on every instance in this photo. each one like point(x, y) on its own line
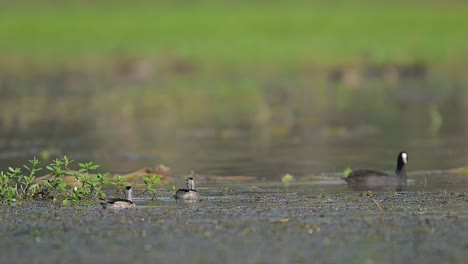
point(365, 179)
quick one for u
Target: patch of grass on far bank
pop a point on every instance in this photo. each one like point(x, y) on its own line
point(237, 33)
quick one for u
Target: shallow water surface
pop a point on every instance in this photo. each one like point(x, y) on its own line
point(263, 130)
point(251, 128)
point(255, 222)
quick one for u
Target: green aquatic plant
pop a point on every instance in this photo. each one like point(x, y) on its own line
point(91, 183)
point(120, 183)
point(61, 183)
point(55, 185)
point(150, 181)
point(26, 182)
point(14, 184)
point(88, 185)
point(7, 189)
point(27, 186)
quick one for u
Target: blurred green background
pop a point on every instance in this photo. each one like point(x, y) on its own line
point(244, 87)
point(236, 33)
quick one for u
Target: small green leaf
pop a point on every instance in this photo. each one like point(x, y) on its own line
point(346, 172)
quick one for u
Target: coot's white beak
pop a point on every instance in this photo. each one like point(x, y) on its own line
point(404, 156)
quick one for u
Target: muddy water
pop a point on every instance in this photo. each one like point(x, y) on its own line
point(303, 128)
point(254, 222)
point(313, 134)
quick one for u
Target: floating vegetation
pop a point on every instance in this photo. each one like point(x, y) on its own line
point(64, 184)
point(282, 220)
point(287, 178)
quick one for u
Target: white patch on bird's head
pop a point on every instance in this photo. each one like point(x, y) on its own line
point(190, 183)
point(404, 157)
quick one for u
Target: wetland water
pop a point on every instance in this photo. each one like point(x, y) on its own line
point(255, 222)
point(303, 127)
point(311, 133)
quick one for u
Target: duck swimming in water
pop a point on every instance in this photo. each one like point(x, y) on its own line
point(188, 194)
point(118, 203)
point(365, 179)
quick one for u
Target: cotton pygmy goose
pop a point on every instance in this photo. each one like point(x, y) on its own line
point(190, 193)
point(118, 203)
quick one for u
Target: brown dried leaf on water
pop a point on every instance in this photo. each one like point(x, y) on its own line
point(161, 171)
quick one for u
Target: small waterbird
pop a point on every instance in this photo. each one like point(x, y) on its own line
point(118, 203)
point(190, 193)
point(365, 179)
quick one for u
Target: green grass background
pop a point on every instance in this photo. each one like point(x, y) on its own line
point(259, 32)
